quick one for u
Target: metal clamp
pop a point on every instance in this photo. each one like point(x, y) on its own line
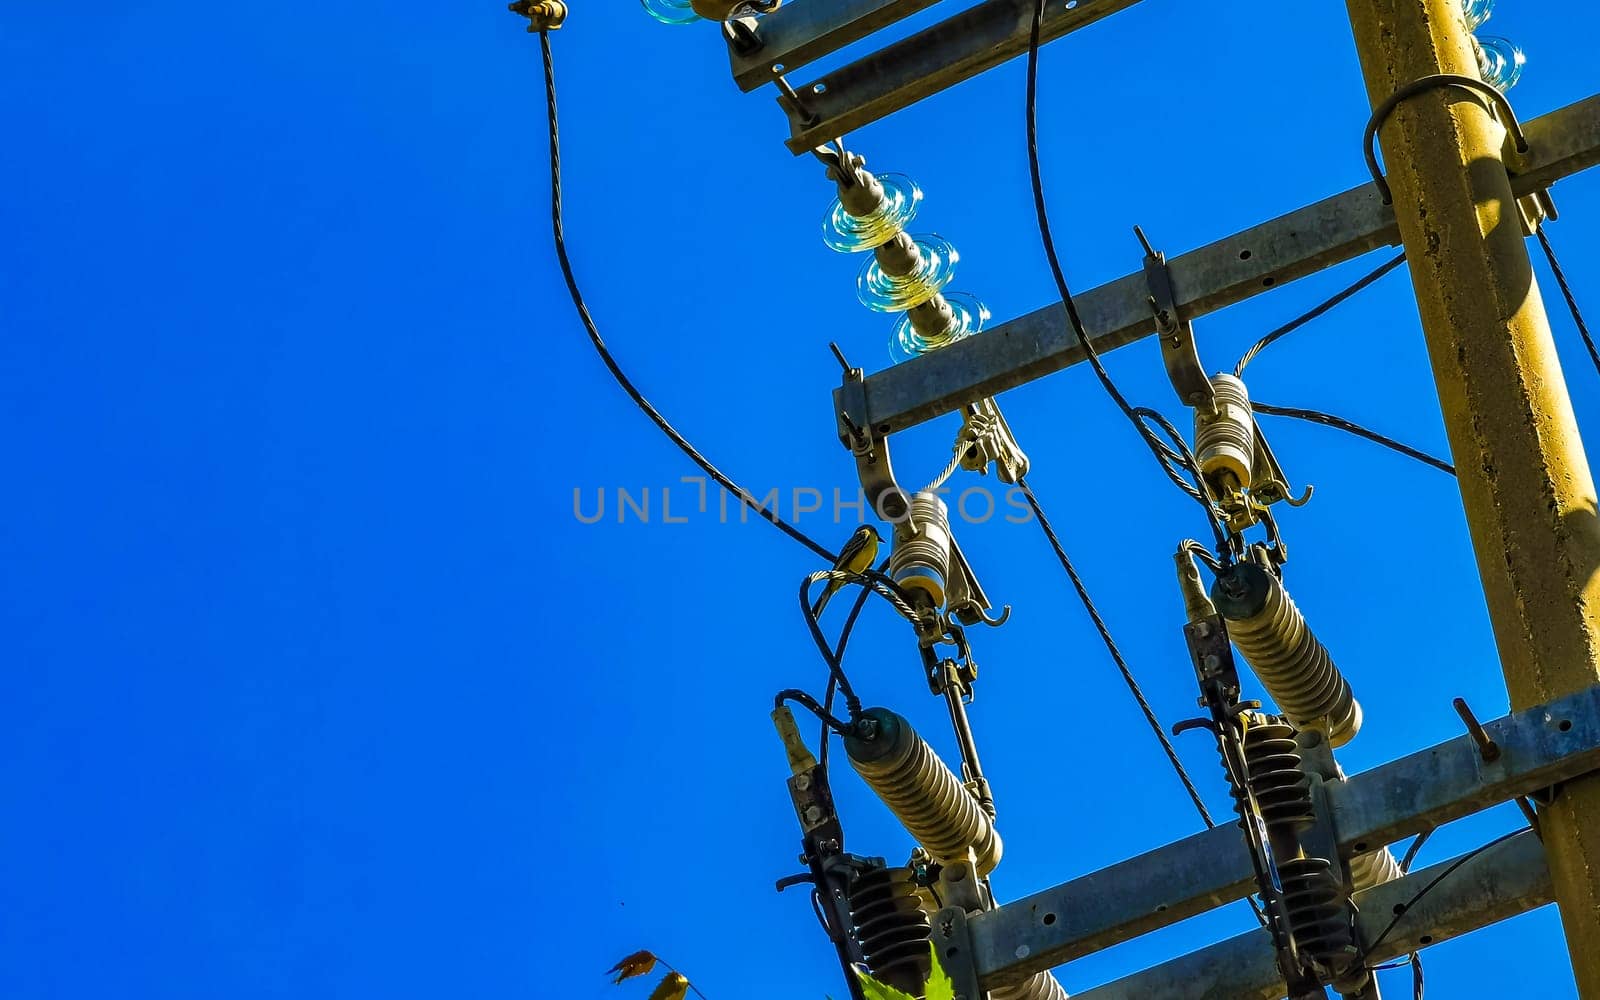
point(1381, 113)
point(953, 941)
point(988, 439)
point(1178, 350)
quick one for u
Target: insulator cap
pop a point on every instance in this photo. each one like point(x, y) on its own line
point(1225, 439)
point(889, 736)
point(1241, 591)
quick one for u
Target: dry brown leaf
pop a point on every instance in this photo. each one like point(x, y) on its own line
point(674, 987)
point(638, 964)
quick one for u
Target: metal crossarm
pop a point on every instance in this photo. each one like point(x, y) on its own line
point(1369, 810)
point(1504, 881)
point(799, 33)
point(1224, 273)
point(927, 62)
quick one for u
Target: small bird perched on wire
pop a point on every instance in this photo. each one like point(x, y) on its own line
point(858, 555)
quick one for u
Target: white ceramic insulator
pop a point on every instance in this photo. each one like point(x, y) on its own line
point(921, 557)
point(1225, 441)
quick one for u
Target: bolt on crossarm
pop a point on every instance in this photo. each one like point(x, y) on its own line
point(1525, 482)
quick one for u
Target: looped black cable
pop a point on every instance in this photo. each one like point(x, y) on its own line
point(1381, 114)
point(559, 230)
point(811, 705)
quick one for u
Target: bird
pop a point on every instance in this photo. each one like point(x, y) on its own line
point(857, 556)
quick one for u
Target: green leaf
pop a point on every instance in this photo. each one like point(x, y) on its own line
point(874, 990)
point(939, 985)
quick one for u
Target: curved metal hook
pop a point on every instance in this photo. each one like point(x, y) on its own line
point(1381, 114)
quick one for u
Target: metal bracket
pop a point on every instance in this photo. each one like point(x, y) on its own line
point(1274, 486)
point(1178, 350)
point(873, 465)
point(965, 597)
point(953, 939)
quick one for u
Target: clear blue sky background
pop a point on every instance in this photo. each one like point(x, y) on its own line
point(316, 687)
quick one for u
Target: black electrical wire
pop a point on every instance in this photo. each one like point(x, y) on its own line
point(838, 657)
point(1566, 293)
point(1116, 654)
point(1449, 870)
point(1415, 960)
point(836, 672)
point(1304, 318)
point(810, 704)
point(558, 228)
point(1339, 423)
point(1164, 455)
point(1411, 852)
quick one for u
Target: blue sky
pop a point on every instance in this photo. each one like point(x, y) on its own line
point(319, 689)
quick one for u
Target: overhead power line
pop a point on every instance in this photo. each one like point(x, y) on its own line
point(1340, 423)
point(1566, 293)
point(559, 230)
point(1314, 312)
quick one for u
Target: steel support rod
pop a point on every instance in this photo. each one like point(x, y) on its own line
point(1504, 881)
point(1525, 482)
point(1538, 748)
point(1213, 277)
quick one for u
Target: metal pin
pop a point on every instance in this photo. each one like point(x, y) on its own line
point(1488, 749)
point(838, 356)
point(1143, 241)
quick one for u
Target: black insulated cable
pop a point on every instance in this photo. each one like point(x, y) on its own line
point(1566, 293)
point(559, 230)
point(1314, 312)
point(1116, 654)
point(1164, 455)
point(1339, 423)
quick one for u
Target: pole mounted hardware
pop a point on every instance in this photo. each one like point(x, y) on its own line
point(1178, 350)
point(1516, 151)
point(729, 10)
point(542, 15)
point(830, 871)
point(923, 544)
point(1225, 272)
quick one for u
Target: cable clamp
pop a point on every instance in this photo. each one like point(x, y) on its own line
point(1516, 153)
point(986, 438)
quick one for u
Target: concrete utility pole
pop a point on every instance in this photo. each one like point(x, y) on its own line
point(1525, 483)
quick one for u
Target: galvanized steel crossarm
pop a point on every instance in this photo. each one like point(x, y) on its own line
point(1213, 277)
point(799, 33)
point(1369, 810)
point(927, 62)
point(1504, 881)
